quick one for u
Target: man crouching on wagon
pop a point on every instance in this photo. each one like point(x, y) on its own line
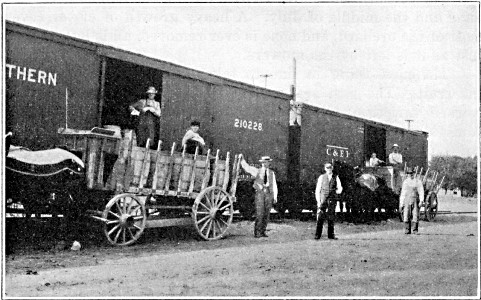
point(266, 193)
point(411, 193)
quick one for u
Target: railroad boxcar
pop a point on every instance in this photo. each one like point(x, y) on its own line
point(329, 136)
point(56, 81)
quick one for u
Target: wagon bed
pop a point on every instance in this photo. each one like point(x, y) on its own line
point(155, 188)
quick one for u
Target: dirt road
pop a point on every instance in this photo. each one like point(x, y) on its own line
point(441, 261)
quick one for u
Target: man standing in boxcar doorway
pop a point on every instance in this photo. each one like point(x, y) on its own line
point(149, 114)
point(327, 188)
point(409, 201)
point(396, 161)
point(266, 193)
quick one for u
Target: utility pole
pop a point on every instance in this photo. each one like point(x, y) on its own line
point(265, 76)
point(409, 123)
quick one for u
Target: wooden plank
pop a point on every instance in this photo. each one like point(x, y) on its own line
point(236, 177)
point(192, 177)
point(205, 180)
point(226, 172)
point(129, 172)
point(168, 222)
point(145, 164)
point(156, 171)
point(101, 164)
point(216, 168)
point(169, 169)
point(91, 163)
point(179, 182)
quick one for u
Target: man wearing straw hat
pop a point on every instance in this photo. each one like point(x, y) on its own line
point(148, 111)
point(412, 191)
point(266, 192)
point(396, 160)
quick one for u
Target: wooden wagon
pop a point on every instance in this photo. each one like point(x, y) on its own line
point(155, 188)
point(429, 180)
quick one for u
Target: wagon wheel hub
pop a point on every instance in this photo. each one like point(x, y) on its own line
point(126, 220)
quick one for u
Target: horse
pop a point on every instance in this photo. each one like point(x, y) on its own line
point(363, 193)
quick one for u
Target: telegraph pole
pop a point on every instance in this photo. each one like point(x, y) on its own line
point(409, 123)
point(265, 76)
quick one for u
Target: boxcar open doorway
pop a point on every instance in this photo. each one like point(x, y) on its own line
point(126, 83)
point(374, 142)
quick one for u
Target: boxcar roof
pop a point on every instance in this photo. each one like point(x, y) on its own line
point(109, 51)
point(369, 122)
point(139, 59)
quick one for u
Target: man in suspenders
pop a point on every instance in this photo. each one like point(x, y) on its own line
point(327, 188)
point(412, 193)
point(266, 193)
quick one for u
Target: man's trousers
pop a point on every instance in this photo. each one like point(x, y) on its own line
point(263, 210)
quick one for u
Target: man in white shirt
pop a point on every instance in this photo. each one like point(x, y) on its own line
point(374, 161)
point(266, 193)
point(192, 139)
point(412, 195)
point(396, 160)
point(327, 189)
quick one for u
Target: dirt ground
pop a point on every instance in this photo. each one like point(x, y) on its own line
point(367, 260)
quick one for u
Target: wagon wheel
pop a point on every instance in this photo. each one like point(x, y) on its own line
point(124, 218)
point(431, 206)
point(213, 211)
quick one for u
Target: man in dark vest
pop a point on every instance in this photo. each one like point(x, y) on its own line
point(266, 193)
point(327, 188)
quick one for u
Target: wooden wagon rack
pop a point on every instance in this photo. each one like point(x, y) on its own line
point(145, 182)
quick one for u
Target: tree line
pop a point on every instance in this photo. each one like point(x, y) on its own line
point(460, 173)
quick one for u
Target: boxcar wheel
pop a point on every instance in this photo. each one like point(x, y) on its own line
point(212, 212)
point(124, 218)
point(431, 206)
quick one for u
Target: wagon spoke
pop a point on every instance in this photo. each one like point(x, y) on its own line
point(203, 219)
point(227, 225)
point(113, 229)
point(213, 228)
point(203, 227)
point(208, 209)
point(118, 207)
point(224, 207)
point(116, 215)
point(136, 218)
point(131, 234)
point(123, 234)
point(113, 222)
point(216, 199)
point(208, 229)
point(202, 212)
point(137, 226)
point(117, 235)
point(130, 204)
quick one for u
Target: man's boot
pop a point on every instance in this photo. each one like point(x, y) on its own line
point(330, 230)
point(407, 227)
point(319, 225)
point(415, 229)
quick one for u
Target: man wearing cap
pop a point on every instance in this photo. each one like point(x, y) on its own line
point(266, 192)
point(327, 188)
point(148, 111)
point(412, 191)
point(192, 139)
point(396, 160)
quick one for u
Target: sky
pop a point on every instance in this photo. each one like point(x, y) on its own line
point(388, 62)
